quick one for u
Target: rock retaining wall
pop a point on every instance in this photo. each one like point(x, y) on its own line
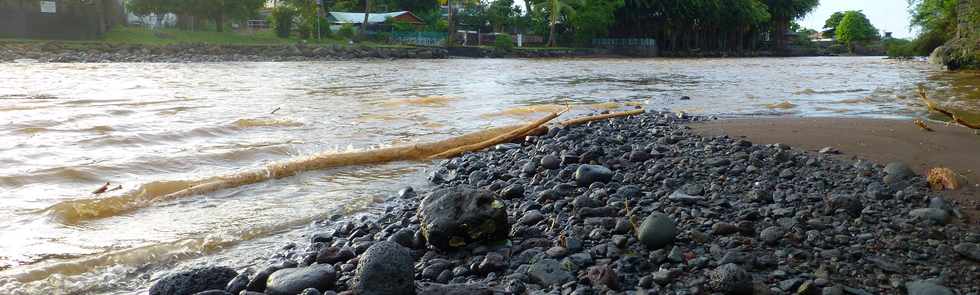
point(105, 52)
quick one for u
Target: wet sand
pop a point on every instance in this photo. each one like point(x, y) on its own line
point(878, 140)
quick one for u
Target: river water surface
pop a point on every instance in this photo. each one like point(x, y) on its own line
point(67, 129)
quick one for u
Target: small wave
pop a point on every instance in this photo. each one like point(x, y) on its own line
point(785, 105)
point(606, 106)
point(73, 211)
point(809, 91)
point(166, 252)
point(61, 174)
point(425, 101)
point(27, 96)
point(32, 130)
point(853, 101)
point(247, 123)
point(526, 111)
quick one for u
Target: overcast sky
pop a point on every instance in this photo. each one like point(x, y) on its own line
point(886, 15)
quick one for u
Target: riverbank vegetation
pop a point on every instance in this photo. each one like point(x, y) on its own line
point(939, 23)
point(679, 27)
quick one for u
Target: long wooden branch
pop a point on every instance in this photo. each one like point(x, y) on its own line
point(509, 136)
point(932, 107)
point(583, 120)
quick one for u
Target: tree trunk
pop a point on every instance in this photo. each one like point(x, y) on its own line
point(367, 11)
point(782, 26)
point(219, 21)
point(554, 21)
point(451, 37)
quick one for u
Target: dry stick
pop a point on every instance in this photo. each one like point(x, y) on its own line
point(499, 139)
point(932, 106)
point(584, 120)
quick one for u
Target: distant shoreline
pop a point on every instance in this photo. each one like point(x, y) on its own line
point(102, 52)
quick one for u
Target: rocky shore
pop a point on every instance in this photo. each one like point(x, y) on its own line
point(59, 52)
point(639, 205)
point(191, 52)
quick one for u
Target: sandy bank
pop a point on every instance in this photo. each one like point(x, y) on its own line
point(879, 140)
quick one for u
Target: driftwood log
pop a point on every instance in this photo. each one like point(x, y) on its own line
point(932, 107)
point(84, 209)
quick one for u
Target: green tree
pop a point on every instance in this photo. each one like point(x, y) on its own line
point(593, 19)
point(855, 28)
point(830, 26)
point(784, 12)
point(502, 14)
point(555, 9)
point(218, 11)
point(937, 20)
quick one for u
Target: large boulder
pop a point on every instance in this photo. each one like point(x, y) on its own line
point(291, 281)
point(386, 268)
point(657, 231)
point(194, 281)
point(454, 217)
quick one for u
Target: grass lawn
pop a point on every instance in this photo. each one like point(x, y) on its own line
point(138, 35)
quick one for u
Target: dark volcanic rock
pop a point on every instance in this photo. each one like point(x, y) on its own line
point(548, 272)
point(720, 220)
point(657, 231)
point(731, 279)
point(193, 281)
point(238, 284)
point(294, 280)
point(455, 289)
point(927, 288)
point(938, 216)
point(385, 268)
point(588, 174)
point(455, 217)
point(969, 250)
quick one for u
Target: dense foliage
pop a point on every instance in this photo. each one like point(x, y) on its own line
point(215, 10)
point(830, 26)
point(855, 28)
point(503, 42)
point(937, 20)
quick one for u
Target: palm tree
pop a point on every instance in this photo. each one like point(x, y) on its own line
point(555, 8)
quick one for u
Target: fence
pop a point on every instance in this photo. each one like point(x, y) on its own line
point(419, 38)
point(628, 43)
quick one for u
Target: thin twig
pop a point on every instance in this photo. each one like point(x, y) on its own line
point(275, 110)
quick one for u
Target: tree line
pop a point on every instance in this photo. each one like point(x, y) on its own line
point(677, 25)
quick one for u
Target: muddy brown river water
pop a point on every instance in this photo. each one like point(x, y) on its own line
point(67, 129)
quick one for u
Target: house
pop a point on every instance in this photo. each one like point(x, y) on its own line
point(338, 19)
point(50, 19)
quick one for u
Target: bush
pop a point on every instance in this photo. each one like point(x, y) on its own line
point(503, 42)
point(305, 30)
point(324, 28)
point(346, 31)
point(900, 48)
point(282, 21)
point(400, 26)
